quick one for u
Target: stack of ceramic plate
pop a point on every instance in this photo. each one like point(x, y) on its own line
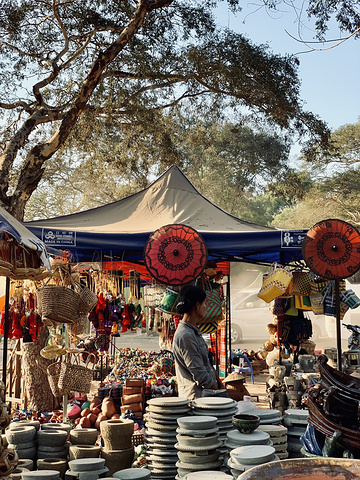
point(296, 422)
point(160, 434)
point(197, 444)
point(244, 458)
point(267, 416)
point(221, 408)
point(207, 474)
point(235, 439)
point(278, 437)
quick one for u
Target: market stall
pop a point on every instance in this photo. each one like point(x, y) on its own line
point(156, 228)
point(119, 231)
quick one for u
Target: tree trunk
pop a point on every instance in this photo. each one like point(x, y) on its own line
point(34, 368)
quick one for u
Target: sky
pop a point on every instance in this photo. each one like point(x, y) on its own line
point(330, 79)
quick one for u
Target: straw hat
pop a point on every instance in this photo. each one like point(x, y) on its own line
point(75, 350)
point(52, 351)
point(234, 377)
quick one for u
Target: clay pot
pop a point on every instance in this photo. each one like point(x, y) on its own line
point(53, 464)
point(14, 446)
point(304, 468)
point(116, 460)
point(26, 463)
point(52, 438)
point(17, 473)
point(25, 423)
point(26, 452)
point(83, 436)
point(21, 434)
point(56, 426)
point(86, 465)
point(44, 474)
point(84, 451)
point(134, 382)
point(60, 454)
point(133, 474)
point(117, 433)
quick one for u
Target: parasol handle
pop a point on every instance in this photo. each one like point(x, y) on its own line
point(338, 324)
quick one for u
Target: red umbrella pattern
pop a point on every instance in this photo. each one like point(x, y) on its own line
point(331, 249)
point(175, 254)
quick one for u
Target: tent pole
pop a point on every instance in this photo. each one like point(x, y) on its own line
point(228, 323)
point(65, 397)
point(338, 324)
point(6, 328)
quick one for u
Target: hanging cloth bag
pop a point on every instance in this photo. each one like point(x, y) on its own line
point(275, 283)
point(329, 297)
point(302, 302)
point(213, 313)
point(301, 283)
point(278, 306)
point(317, 303)
point(350, 299)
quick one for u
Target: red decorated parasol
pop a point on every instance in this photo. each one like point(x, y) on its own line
point(331, 249)
point(175, 254)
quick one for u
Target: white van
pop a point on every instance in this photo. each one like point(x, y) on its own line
point(250, 314)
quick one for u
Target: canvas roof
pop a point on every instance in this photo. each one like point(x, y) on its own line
point(121, 228)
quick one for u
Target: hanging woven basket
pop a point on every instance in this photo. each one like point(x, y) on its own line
point(53, 373)
point(87, 300)
point(76, 377)
point(59, 303)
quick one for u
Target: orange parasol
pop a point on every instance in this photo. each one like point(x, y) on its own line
point(331, 249)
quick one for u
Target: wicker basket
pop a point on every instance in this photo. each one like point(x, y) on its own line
point(75, 377)
point(59, 303)
point(8, 462)
point(80, 324)
point(53, 372)
point(39, 301)
point(87, 301)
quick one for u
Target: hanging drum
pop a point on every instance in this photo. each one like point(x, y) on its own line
point(169, 301)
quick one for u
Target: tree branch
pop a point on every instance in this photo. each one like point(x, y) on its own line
point(33, 166)
point(19, 103)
